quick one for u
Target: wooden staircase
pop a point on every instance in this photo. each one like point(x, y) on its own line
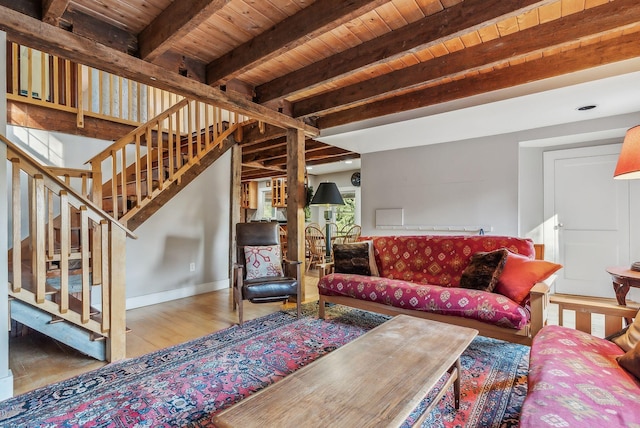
point(67, 261)
point(159, 158)
point(55, 232)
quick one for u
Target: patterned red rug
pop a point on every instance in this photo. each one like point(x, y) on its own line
point(186, 385)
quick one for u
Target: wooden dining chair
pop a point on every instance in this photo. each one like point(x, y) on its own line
point(352, 234)
point(315, 242)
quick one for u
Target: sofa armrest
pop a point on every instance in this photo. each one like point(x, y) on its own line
point(539, 303)
point(325, 269)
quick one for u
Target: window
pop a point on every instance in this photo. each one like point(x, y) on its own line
point(345, 214)
point(267, 209)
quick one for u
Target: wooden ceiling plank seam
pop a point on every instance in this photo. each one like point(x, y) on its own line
point(52, 10)
point(432, 30)
point(616, 50)
point(521, 44)
point(31, 32)
point(311, 21)
point(174, 23)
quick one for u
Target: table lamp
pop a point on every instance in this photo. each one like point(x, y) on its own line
point(328, 196)
point(628, 166)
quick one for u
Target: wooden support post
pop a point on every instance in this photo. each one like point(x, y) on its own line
point(234, 214)
point(296, 198)
point(117, 342)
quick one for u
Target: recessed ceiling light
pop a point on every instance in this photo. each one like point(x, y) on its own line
point(348, 161)
point(587, 107)
point(309, 167)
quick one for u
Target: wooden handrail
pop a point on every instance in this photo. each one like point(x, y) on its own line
point(64, 227)
point(175, 140)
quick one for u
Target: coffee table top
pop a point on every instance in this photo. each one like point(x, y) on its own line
point(375, 380)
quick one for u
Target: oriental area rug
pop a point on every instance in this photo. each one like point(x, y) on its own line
point(185, 385)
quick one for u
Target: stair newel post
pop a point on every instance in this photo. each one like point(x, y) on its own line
point(84, 251)
point(38, 219)
point(116, 343)
point(16, 205)
point(102, 257)
point(65, 250)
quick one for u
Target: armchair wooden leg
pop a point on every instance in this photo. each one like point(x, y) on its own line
point(240, 312)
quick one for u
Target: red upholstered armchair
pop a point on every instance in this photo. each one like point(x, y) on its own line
point(260, 275)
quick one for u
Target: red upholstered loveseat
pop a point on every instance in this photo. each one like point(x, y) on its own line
point(420, 276)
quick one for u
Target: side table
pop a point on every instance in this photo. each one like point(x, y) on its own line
point(623, 278)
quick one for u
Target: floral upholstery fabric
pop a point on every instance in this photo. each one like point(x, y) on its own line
point(438, 260)
point(491, 308)
point(575, 381)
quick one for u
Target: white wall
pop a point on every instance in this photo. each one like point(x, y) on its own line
point(193, 227)
point(466, 183)
point(6, 377)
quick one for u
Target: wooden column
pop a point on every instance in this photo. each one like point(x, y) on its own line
point(234, 210)
point(117, 342)
point(295, 198)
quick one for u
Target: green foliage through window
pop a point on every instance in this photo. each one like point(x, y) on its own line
point(345, 214)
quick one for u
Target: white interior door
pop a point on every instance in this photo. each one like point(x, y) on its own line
point(586, 218)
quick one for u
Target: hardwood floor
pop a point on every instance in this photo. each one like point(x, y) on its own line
point(37, 360)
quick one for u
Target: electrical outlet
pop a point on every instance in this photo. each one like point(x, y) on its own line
point(192, 267)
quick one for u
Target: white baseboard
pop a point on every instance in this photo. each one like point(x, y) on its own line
point(166, 296)
point(6, 386)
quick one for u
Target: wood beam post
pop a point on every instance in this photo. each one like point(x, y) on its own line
point(117, 342)
point(296, 198)
point(234, 214)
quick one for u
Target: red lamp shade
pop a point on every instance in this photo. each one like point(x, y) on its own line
point(629, 161)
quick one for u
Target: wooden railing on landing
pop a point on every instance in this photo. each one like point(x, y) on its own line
point(39, 78)
point(153, 156)
point(65, 234)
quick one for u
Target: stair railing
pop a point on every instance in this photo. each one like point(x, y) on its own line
point(153, 156)
point(55, 229)
point(39, 78)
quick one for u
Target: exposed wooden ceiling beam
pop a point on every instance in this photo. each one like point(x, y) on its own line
point(174, 23)
point(607, 51)
point(504, 49)
point(37, 34)
point(313, 20)
point(52, 10)
point(429, 31)
point(277, 148)
point(86, 26)
point(252, 134)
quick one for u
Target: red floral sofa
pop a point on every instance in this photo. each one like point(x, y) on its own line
point(575, 381)
point(419, 275)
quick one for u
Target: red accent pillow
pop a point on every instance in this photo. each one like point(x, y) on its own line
point(520, 274)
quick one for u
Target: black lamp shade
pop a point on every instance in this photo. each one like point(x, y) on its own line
point(327, 194)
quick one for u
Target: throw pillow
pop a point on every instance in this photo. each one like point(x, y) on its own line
point(355, 258)
point(631, 361)
point(483, 270)
point(630, 338)
point(262, 261)
point(520, 274)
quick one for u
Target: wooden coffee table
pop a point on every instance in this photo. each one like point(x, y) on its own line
point(375, 380)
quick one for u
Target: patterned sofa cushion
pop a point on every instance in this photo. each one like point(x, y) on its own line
point(491, 308)
point(438, 260)
point(575, 381)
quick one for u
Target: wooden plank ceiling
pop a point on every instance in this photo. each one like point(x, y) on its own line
point(331, 62)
